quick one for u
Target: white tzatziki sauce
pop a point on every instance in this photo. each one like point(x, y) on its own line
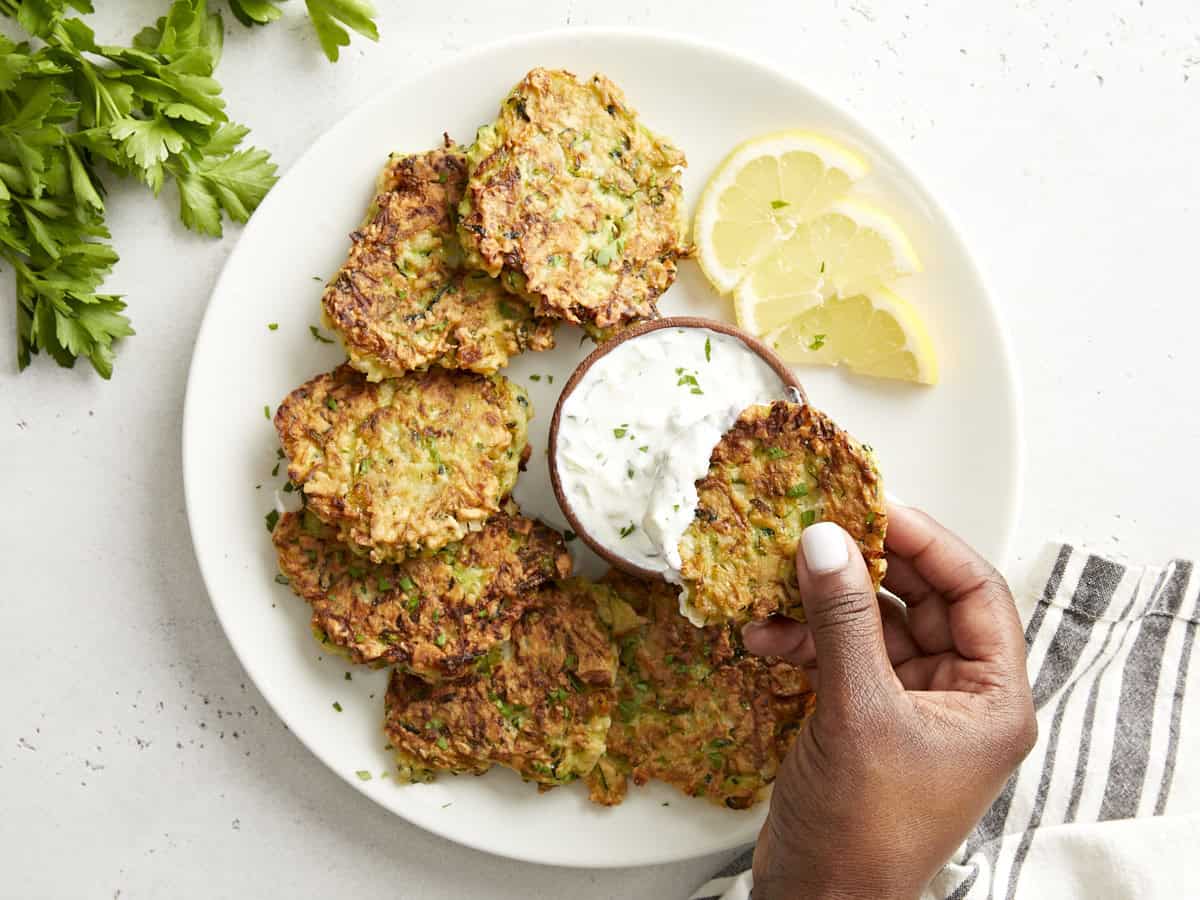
point(638, 430)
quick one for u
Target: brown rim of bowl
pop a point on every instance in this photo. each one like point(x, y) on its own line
point(765, 353)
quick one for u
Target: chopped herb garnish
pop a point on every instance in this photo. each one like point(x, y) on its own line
point(282, 579)
point(337, 706)
point(272, 517)
point(535, 377)
point(384, 584)
point(550, 378)
point(363, 775)
point(317, 336)
point(619, 433)
point(331, 403)
point(776, 453)
point(364, 465)
point(317, 278)
point(870, 519)
point(311, 524)
point(628, 530)
point(797, 490)
point(822, 267)
point(818, 342)
point(442, 743)
point(808, 517)
point(288, 487)
point(275, 471)
point(697, 390)
point(347, 677)
point(406, 584)
point(274, 326)
point(629, 471)
point(779, 204)
point(266, 412)
point(644, 448)
point(440, 640)
point(569, 536)
point(708, 349)
point(687, 379)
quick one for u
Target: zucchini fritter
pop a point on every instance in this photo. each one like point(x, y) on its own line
point(778, 470)
point(407, 465)
point(432, 616)
point(403, 299)
point(693, 708)
point(574, 203)
point(539, 704)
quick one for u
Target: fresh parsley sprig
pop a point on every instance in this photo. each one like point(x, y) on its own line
point(152, 110)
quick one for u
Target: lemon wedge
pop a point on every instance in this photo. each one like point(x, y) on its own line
point(851, 249)
point(875, 333)
point(762, 191)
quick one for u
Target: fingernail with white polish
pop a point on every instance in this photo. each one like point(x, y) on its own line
point(824, 546)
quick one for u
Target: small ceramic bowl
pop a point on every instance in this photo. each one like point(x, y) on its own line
point(769, 356)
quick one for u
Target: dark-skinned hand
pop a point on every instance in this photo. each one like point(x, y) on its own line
point(923, 711)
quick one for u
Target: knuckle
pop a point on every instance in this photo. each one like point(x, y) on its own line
point(844, 606)
point(1016, 733)
point(1025, 734)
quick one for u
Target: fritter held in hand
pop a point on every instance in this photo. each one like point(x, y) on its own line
point(407, 465)
point(778, 470)
point(539, 704)
point(693, 709)
point(574, 203)
point(434, 616)
point(403, 299)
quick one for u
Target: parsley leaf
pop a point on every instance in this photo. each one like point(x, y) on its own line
point(329, 17)
point(254, 12)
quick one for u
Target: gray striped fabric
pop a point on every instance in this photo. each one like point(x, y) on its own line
point(1110, 649)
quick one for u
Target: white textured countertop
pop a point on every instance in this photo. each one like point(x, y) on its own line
point(136, 760)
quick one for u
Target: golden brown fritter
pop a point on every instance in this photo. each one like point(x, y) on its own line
point(407, 465)
point(433, 616)
point(693, 709)
point(404, 300)
point(779, 469)
point(574, 203)
point(539, 704)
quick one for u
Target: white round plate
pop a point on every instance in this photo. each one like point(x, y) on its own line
point(953, 449)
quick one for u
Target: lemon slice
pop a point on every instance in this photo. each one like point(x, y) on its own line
point(876, 333)
point(762, 191)
point(851, 249)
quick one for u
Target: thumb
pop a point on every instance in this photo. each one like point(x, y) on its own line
point(843, 616)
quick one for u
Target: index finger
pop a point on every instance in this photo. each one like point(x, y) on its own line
point(983, 618)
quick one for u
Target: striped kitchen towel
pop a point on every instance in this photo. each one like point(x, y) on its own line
point(1108, 803)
